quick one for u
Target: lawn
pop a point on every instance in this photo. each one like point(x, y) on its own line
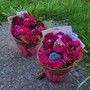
point(75, 12)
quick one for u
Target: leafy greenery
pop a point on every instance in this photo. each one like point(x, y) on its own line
point(77, 12)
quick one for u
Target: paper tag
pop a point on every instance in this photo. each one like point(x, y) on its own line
point(57, 29)
point(21, 13)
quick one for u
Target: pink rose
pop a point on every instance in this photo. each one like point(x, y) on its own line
point(67, 58)
point(75, 43)
point(58, 48)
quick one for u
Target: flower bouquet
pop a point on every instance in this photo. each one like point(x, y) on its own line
point(27, 32)
point(59, 53)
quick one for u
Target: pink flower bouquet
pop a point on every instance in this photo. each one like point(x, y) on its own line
point(58, 53)
point(27, 32)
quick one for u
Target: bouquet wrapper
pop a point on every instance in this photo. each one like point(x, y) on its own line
point(24, 48)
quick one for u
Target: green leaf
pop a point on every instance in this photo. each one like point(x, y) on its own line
point(88, 65)
point(21, 38)
point(80, 85)
point(39, 37)
point(86, 51)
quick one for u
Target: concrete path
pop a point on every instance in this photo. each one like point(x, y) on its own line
point(18, 73)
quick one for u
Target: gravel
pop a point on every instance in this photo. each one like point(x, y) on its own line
point(18, 72)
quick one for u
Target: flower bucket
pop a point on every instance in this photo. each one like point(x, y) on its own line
point(24, 48)
point(57, 57)
point(29, 29)
point(57, 75)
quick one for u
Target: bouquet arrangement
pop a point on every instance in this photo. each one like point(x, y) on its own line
point(59, 50)
point(26, 32)
point(27, 29)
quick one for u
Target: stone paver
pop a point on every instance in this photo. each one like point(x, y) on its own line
point(18, 73)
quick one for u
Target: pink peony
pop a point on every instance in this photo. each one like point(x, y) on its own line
point(67, 58)
point(58, 48)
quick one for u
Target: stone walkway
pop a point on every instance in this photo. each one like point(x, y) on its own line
point(18, 73)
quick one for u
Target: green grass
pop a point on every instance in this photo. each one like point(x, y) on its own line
point(76, 11)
